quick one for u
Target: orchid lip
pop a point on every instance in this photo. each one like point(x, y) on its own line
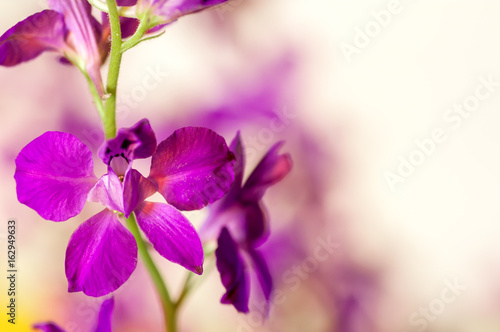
point(120, 164)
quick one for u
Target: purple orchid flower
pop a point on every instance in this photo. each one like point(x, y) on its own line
point(190, 169)
point(103, 322)
point(239, 222)
point(67, 28)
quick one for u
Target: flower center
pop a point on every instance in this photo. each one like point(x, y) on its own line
point(119, 163)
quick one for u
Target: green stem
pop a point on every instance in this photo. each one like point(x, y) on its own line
point(136, 37)
point(109, 119)
point(185, 289)
point(95, 94)
point(169, 308)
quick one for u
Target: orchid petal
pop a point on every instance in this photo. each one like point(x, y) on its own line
point(104, 322)
point(136, 189)
point(171, 234)
point(128, 25)
point(84, 40)
point(54, 174)
point(101, 255)
point(263, 274)
point(43, 31)
point(225, 215)
point(233, 272)
point(256, 225)
point(108, 191)
point(171, 10)
point(136, 142)
point(239, 166)
point(228, 210)
point(192, 168)
point(77, 16)
point(246, 221)
point(126, 3)
point(271, 169)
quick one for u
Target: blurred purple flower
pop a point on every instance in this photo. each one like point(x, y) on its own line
point(239, 222)
point(265, 95)
point(67, 28)
point(166, 11)
point(191, 168)
point(103, 323)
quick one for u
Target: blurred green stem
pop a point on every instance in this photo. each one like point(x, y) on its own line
point(115, 59)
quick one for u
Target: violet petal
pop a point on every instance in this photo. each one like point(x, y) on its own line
point(126, 3)
point(104, 322)
point(136, 189)
point(227, 208)
point(263, 274)
point(172, 10)
point(54, 174)
point(108, 191)
point(136, 142)
point(101, 255)
point(128, 26)
point(239, 165)
point(43, 31)
point(192, 168)
point(83, 40)
point(256, 224)
point(271, 169)
point(171, 234)
point(233, 272)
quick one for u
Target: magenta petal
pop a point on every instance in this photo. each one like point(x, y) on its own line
point(136, 189)
point(172, 10)
point(126, 3)
point(271, 169)
point(171, 234)
point(54, 174)
point(233, 272)
point(108, 191)
point(263, 274)
point(44, 31)
point(48, 327)
point(239, 166)
point(101, 255)
point(128, 26)
point(84, 39)
point(104, 322)
point(256, 224)
point(192, 168)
